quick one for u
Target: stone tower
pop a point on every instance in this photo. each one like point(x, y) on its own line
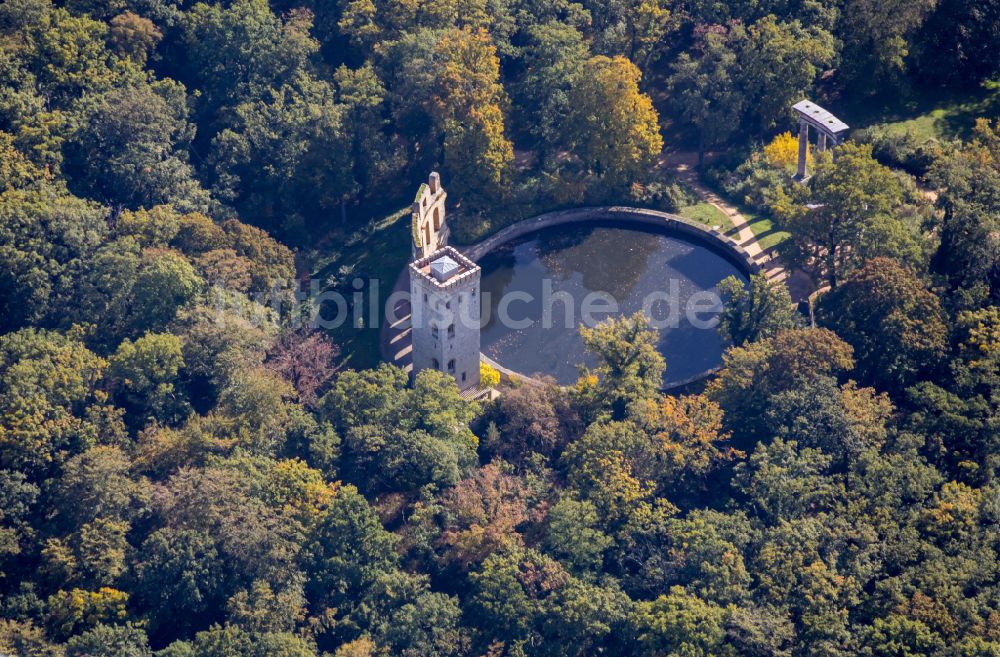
point(445, 315)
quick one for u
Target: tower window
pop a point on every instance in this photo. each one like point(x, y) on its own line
point(435, 364)
point(463, 377)
point(434, 332)
point(451, 366)
point(451, 330)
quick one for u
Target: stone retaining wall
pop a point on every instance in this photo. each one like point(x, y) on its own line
point(627, 216)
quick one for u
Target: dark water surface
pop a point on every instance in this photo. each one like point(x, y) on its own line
point(627, 263)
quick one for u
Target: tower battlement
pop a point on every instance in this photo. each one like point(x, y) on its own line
point(465, 269)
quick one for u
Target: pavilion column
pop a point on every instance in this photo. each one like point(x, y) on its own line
point(821, 143)
point(803, 148)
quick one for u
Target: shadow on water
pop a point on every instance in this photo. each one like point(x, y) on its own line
point(626, 263)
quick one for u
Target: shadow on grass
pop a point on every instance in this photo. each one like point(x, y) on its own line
point(377, 251)
point(928, 112)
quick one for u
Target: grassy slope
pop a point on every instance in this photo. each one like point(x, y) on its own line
point(379, 251)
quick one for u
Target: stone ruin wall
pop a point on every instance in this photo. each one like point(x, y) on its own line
point(430, 232)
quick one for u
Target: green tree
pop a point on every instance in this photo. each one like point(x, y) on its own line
point(165, 282)
point(511, 593)
point(110, 641)
point(876, 40)
point(17, 498)
point(101, 292)
point(842, 422)
point(298, 128)
point(613, 466)
point(400, 438)
point(777, 63)
point(180, 576)
point(238, 51)
point(468, 104)
point(69, 56)
point(418, 621)
point(347, 553)
point(142, 133)
point(574, 537)
point(680, 623)
point(756, 372)
point(969, 182)
point(145, 373)
point(48, 401)
point(45, 235)
point(26, 639)
point(902, 637)
point(704, 92)
point(96, 484)
point(630, 367)
point(364, 96)
point(855, 215)
point(754, 313)
point(950, 44)
point(894, 323)
point(17, 171)
point(266, 608)
point(261, 412)
point(552, 57)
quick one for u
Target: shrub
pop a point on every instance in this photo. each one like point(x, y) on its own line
point(903, 150)
point(754, 183)
point(489, 377)
point(667, 196)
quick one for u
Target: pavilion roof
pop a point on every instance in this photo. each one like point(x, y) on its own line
point(820, 117)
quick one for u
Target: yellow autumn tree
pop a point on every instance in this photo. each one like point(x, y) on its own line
point(613, 127)
point(688, 431)
point(783, 151)
point(79, 609)
point(468, 105)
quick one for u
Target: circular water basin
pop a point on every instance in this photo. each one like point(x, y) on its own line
point(569, 269)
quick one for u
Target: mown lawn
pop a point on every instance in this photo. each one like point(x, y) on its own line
point(376, 252)
point(768, 234)
point(708, 214)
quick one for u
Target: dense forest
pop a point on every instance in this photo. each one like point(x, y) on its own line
point(187, 473)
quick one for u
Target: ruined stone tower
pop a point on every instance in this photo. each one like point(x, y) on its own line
point(444, 301)
point(430, 232)
point(444, 294)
